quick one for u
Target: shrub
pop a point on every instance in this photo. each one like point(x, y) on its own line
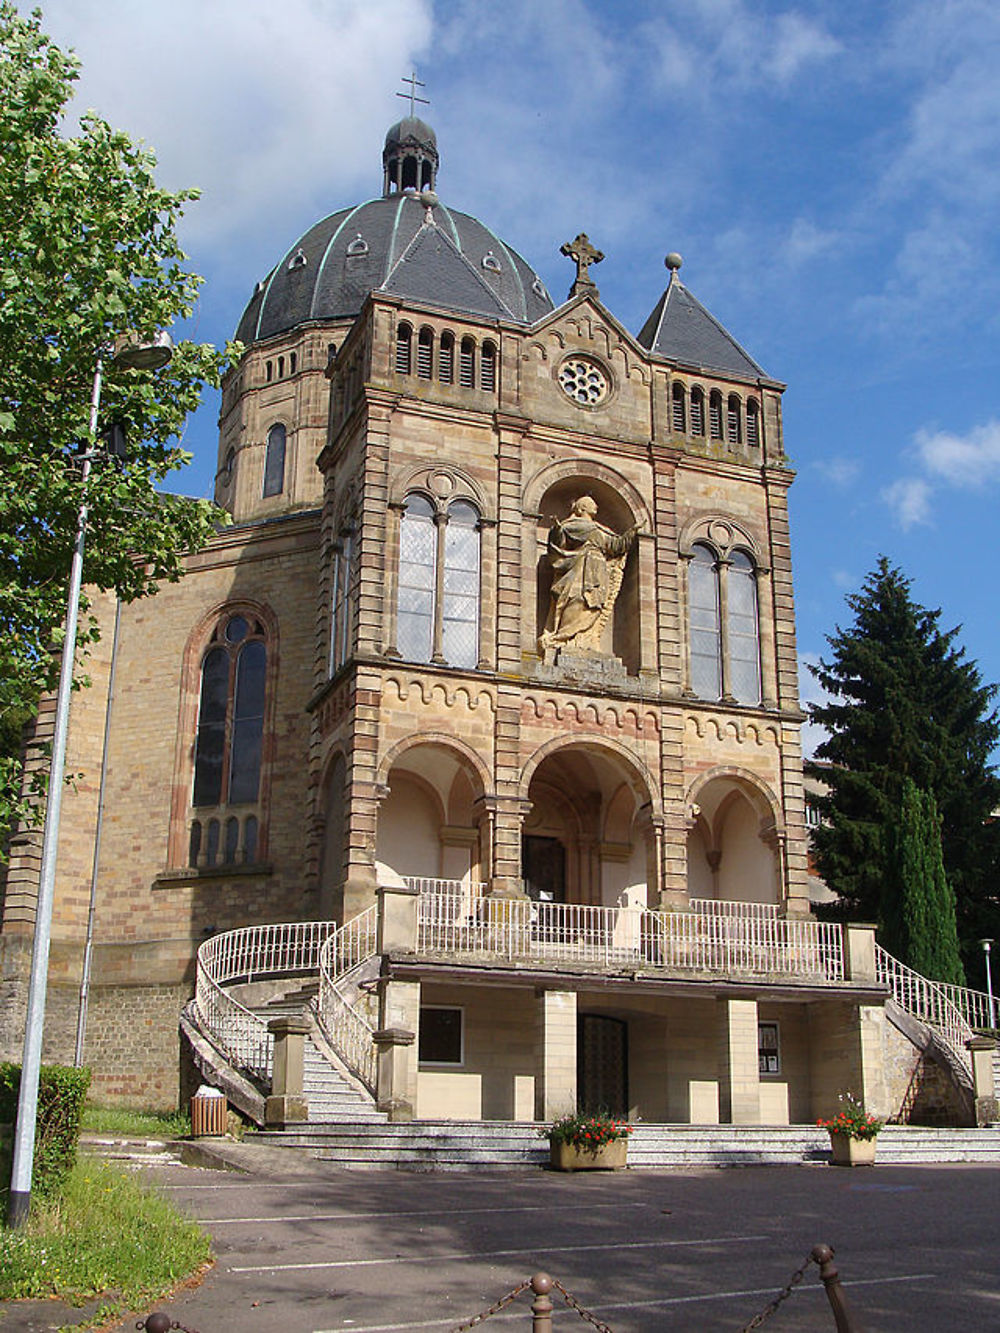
point(852, 1120)
point(61, 1094)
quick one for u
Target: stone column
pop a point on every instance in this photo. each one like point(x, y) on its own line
point(555, 1055)
point(287, 1103)
point(739, 1070)
point(859, 953)
point(983, 1087)
point(397, 915)
point(396, 1044)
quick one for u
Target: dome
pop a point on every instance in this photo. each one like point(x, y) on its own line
point(411, 130)
point(405, 244)
point(387, 245)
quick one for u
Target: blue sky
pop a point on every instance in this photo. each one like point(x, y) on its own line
point(830, 173)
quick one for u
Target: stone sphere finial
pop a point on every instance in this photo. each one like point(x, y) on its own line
point(673, 261)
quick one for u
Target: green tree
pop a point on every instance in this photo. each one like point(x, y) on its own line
point(920, 926)
point(905, 703)
point(89, 253)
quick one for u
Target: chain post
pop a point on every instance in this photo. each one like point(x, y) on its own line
point(782, 1295)
point(541, 1306)
point(822, 1255)
point(158, 1322)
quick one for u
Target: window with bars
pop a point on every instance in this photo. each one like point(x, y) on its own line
point(425, 353)
point(697, 412)
point(467, 364)
point(446, 358)
point(404, 338)
point(439, 577)
point(734, 414)
point(274, 461)
point(342, 602)
point(753, 423)
point(715, 414)
point(488, 368)
point(677, 412)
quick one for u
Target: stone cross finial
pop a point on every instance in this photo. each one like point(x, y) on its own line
point(583, 255)
point(411, 96)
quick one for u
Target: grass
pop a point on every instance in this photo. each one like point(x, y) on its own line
point(106, 1236)
point(136, 1124)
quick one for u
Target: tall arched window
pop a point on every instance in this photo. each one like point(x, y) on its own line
point(697, 412)
point(753, 423)
point(715, 415)
point(743, 626)
point(274, 461)
point(446, 358)
point(403, 336)
point(231, 716)
point(467, 364)
point(734, 420)
point(417, 580)
point(342, 603)
point(706, 624)
point(439, 570)
point(425, 353)
point(724, 637)
point(488, 368)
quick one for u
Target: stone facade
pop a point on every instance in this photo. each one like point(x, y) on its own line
point(394, 474)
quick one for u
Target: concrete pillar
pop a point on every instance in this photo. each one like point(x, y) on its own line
point(846, 1054)
point(396, 1044)
point(287, 1103)
point(555, 1055)
point(859, 953)
point(739, 1069)
point(983, 1087)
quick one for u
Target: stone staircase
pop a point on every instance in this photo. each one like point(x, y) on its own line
point(436, 1145)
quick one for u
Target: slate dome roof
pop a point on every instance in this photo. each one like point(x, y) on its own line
point(389, 245)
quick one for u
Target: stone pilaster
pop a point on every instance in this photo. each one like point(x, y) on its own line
point(739, 1070)
point(287, 1102)
point(555, 1055)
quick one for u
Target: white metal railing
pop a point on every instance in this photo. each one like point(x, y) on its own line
point(253, 953)
point(347, 1029)
point(517, 929)
point(973, 1005)
point(717, 907)
point(463, 888)
point(927, 1000)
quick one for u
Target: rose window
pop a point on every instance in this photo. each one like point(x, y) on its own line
point(583, 381)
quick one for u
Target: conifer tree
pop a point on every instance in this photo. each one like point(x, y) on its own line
point(905, 703)
point(919, 913)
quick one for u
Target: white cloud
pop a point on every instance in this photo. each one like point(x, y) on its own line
point(806, 241)
point(842, 472)
point(909, 498)
point(272, 110)
point(796, 42)
point(971, 460)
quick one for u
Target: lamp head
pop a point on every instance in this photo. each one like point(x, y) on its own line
point(146, 354)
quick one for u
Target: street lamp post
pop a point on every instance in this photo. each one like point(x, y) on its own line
point(989, 983)
point(139, 356)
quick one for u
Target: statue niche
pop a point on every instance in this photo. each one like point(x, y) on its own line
point(588, 563)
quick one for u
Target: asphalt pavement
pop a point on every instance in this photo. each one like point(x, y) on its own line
point(306, 1248)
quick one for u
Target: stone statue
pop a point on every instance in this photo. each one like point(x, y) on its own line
point(588, 562)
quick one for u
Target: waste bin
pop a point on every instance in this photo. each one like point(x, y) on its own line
point(208, 1113)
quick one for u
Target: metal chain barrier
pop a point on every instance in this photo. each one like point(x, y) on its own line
point(495, 1308)
point(782, 1295)
point(584, 1313)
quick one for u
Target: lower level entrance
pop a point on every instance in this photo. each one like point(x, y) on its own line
point(602, 1064)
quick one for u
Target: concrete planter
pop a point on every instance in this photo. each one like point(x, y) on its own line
point(608, 1157)
point(851, 1152)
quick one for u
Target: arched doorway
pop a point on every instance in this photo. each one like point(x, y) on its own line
point(733, 845)
point(587, 837)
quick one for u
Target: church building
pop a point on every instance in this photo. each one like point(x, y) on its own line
point(482, 712)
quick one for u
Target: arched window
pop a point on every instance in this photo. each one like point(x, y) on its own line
point(734, 424)
point(488, 368)
point(274, 461)
point(706, 624)
point(741, 616)
point(460, 595)
point(753, 423)
point(446, 358)
point(342, 603)
point(403, 336)
point(715, 414)
point(425, 353)
point(724, 626)
point(677, 413)
point(417, 580)
point(439, 570)
point(467, 364)
point(231, 717)
point(697, 412)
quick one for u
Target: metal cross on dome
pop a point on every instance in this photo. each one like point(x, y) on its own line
point(414, 83)
point(583, 255)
